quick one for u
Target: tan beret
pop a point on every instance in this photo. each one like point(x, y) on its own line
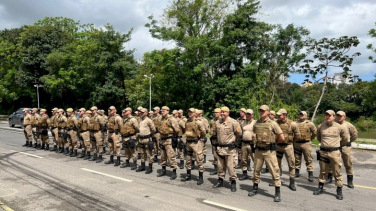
point(225, 108)
point(144, 110)
point(94, 108)
point(217, 110)
point(60, 110)
point(151, 112)
point(165, 108)
point(139, 108)
point(198, 111)
point(342, 113)
point(35, 109)
point(272, 112)
point(281, 111)
point(249, 111)
point(69, 110)
point(180, 111)
point(264, 108)
point(330, 112)
point(175, 112)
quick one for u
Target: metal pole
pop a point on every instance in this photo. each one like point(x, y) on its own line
point(150, 93)
point(38, 94)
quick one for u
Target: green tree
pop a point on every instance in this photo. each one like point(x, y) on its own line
point(329, 53)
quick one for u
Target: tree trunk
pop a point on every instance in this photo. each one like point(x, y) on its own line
point(322, 95)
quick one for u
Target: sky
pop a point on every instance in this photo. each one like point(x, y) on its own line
point(323, 18)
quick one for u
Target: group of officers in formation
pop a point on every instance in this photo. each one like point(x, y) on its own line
point(235, 143)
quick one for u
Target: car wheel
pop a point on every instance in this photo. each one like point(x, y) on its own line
point(11, 124)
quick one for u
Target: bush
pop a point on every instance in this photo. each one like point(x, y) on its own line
point(365, 124)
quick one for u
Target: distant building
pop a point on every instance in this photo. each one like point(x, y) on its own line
point(339, 79)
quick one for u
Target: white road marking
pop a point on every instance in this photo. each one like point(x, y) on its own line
point(222, 205)
point(107, 175)
point(36, 156)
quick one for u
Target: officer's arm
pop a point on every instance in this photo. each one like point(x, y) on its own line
point(313, 131)
point(353, 133)
point(135, 125)
point(278, 132)
point(318, 132)
point(152, 127)
point(238, 130)
point(343, 132)
point(175, 126)
point(201, 128)
point(119, 121)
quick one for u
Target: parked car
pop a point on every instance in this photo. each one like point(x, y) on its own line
point(16, 118)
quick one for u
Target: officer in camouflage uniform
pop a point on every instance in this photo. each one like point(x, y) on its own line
point(248, 147)
point(54, 129)
point(128, 132)
point(96, 128)
point(213, 139)
point(346, 149)
point(290, 131)
point(302, 145)
point(195, 130)
point(104, 133)
point(157, 136)
point(180, 141)
point(43, 129)
point(84, 127)
point(35, 129)
point(206, 125)
point(115, 122)
point(72, 126)
point(267, 134)
point(27, 128)
point(168, 128)
point(271, 117)
point(331, 135)
point(146, 144)
point(61, 126)
point(228, 131)
point(241, 120)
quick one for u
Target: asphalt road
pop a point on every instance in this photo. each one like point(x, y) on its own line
point(40, 180)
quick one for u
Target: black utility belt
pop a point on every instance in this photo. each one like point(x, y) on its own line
point(111, 131)
point(300, 142)
point(26, 125)
point(179, 136)
point(144, 137)
point(94, 131)
point(34, 126)
point(348, 144)
point(165, 138)
point(60, 128)
point(72, 129)
point(192, 140)
point(128, 136)
point(270, 147)
point(232, 145)
point(83, 131)
point(53, 128)
point(330, 149)
point(247, 141)
point(213, 138)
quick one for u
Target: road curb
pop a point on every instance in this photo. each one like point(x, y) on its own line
point(17, 129)
point(5, 207)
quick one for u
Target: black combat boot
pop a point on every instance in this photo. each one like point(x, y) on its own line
point(292, 184)
point(39, 146)
point(200, 178)
point(277, 196)
point(219, 183)
point(150, 169)
point(239, 166)
point(104, 149)
point(297, 173)
point(319, 190)
point(87, 156)
point(233, 186)
point(117, 163)
point(155, 158)
point(26, 144)
point(70, 152)
point(173, 176)
point(94, 158)
point(265, 170)
point(43, 146)
point(82, 155)
point(111, 161)
point(181, 166)
point(61, 150)
point(214, 172)
point(244, 176)
point(193, 164)
point(330, 178)
point(30, 143)
point(134, 165)
point(80, 146)
point(141, 168)
point(350, 181)
point(163, 172)
point(54, 148)
point(35, 145)
point(310, 176)
point(204, 158)
point(66, 152)
point(74, 154)
point(125, 164)
point(254, 190)
point(188, 177)
point(47, 148)
point(99, 159)
point(139, 156)
point(339, 193)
